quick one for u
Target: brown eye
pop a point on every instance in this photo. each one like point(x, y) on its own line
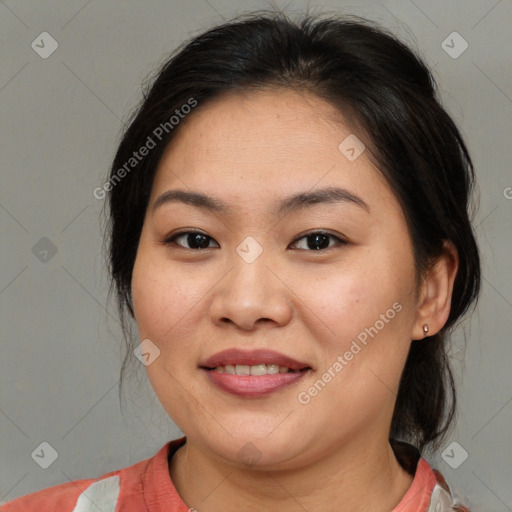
point(319, 240)
point(195, 239)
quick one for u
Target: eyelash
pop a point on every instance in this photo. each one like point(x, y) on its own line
point(171, 240)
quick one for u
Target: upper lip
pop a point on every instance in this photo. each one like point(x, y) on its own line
point(234, 356)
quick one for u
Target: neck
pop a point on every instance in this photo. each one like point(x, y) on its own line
point(362, 476)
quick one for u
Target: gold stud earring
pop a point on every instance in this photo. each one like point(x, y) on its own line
point(425, 329)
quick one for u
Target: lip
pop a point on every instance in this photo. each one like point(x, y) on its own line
point(251, 386)
point(234, 356)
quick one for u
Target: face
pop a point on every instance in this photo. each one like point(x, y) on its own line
point(329, 282)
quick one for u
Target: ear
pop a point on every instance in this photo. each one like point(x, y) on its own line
point(436, 293)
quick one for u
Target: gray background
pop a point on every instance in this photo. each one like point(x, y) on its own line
point(61, 120)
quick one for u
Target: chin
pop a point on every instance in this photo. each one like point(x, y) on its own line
point(254, 450)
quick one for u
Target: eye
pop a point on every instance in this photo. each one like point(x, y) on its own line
point(316, 240)
point(319, 240)
point(195, 239)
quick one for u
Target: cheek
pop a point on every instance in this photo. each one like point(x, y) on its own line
point(167, 308)
point(164, 300)
point(354, 297)
point(364, 314)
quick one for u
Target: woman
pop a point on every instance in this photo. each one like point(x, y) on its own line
point(290, 232)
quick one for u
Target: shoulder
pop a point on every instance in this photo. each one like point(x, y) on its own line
point(443, 499)
point(103, 493)
point(429, 491)
point(440, 498)
point(70, 496)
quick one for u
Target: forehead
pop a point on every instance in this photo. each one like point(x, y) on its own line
point(264, 144)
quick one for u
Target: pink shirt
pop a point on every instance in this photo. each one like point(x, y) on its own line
point(147, 486)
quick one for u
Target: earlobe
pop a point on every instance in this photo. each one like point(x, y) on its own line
point(436, 293)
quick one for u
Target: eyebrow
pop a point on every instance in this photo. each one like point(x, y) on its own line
point(328, 195)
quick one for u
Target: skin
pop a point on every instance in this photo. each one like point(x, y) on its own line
point(251, 150)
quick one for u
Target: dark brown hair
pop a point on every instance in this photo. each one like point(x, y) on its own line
point(376, 82)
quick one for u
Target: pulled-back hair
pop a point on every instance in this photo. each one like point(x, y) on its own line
point(380, 86)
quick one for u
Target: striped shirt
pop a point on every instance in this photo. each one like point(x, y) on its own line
point(147, 487)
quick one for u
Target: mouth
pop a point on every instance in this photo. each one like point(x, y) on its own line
point(252, 386)
point(253, 373)
point(256, 369)
point(252, 362)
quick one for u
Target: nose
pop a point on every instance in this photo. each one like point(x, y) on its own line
point(251, 294)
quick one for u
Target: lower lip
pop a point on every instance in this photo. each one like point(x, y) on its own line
point(253, 385)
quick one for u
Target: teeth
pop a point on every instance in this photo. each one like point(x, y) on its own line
point(257, 369)
point(243, 369)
